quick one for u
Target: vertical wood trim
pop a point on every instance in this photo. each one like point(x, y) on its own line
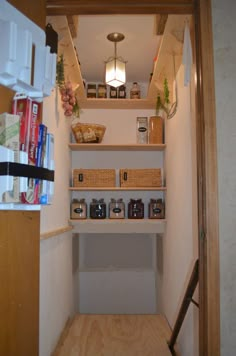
point(209, 323)
point(19, 276)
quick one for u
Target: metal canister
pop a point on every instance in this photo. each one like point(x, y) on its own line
point(156, 209)
point(97, 209)
point(116, 209)
point(135, 209)
point(78, 209)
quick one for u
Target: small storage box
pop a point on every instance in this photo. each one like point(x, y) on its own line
point(94, 178)
point(140, 177)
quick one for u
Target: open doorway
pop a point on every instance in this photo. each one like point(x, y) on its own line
point(207, 199)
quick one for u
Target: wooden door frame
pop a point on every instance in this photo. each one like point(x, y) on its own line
point(208, 220)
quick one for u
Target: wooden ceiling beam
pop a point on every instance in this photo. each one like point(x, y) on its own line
point(90, 7)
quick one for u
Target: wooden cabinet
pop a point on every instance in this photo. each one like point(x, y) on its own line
point(19, 250)
point(19, 276)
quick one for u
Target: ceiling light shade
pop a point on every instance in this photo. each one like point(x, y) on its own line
point(115, 66)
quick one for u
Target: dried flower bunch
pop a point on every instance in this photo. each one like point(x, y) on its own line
point(68, 95)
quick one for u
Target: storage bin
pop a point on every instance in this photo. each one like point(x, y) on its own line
point(94, 178)
point(150, 177)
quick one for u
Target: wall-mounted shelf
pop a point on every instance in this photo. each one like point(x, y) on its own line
point(119, 226)
point(118, 189)
point(172, 44)
point(119, 147)
point(117, 103)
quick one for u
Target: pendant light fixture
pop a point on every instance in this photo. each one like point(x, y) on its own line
point(115, 66)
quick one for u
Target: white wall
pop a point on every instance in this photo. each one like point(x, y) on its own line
point(224, 29)
point(58, 258)
point(178, 250)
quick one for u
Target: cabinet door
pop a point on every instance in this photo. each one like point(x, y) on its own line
point(19, 276)
point(35, 11)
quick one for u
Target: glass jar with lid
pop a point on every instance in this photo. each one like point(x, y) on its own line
point(135, 91)
point(135, 209)
point(116, 209)
point(97, 209)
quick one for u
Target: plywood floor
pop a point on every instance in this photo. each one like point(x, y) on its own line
point(116, 335)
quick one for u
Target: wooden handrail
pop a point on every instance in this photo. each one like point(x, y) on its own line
point(188, 298)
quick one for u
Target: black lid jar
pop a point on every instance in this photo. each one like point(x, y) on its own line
point(135, 209)
point(78, 209)
point(156, 209)
point(97, 209)
point(116, 209)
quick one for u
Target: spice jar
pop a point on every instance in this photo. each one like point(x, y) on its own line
point(135, 91)
point(156, 209)
point(97, 209)
point(116, 209)
point(91, 91)
point(78, 209)
point(113, 92)
point(122, 92)
point(102, 91)
point(135, 209)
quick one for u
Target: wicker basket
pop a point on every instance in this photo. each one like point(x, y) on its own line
point(94, 177)
point(140, 177)
point(88, 133)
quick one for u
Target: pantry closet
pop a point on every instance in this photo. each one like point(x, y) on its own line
point(123, 270)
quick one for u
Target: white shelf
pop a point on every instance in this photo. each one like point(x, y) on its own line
point(118, 147)
point(121, 226)
point(87, 103)
point(117, 189)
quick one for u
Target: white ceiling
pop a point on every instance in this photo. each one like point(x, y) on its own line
point(139, 47)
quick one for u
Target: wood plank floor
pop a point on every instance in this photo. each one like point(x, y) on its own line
point(116, 335)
